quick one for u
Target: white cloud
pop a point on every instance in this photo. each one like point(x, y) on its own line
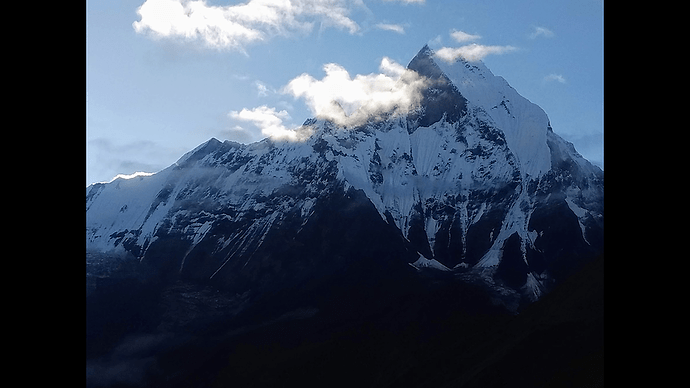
point(393, 69)
point(270, 122)
point(261, 89)
point(471, 52)
point(338, 97)
point(541, 31)
point(461, 36)
point(554, 77)
point(351, 101)
point(391, 27)
point(234, 26)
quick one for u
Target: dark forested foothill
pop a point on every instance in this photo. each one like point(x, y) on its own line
point(417, 331)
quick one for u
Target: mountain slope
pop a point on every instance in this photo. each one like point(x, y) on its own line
point(473, 182)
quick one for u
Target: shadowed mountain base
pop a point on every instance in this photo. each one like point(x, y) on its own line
point(388, 332)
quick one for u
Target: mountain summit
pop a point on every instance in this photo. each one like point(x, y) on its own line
point(473, 183)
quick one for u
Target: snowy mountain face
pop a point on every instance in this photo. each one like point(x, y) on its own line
point(474, 183)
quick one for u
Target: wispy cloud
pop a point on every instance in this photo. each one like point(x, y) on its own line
point(270, 123)
point(235, 26)
point(541, 31)
point(391, 27)
point(471, 52)
point(262, 89)
point(462, 37)
point(554, 77)
point(351, 101)
point(338, 97)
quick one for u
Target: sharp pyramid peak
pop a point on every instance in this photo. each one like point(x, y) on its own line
point(425, 64)
point(469, 85)
point(429, 63)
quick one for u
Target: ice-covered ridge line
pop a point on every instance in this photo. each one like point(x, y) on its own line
point(516, 221)
point(200, 232)
point(123, 204)
point(127, 176)
point(533, 287)
point(523, 122)
point(242, 239)
point(423, 262)
point(580, 213)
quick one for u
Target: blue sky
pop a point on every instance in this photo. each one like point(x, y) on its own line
point(163, 76)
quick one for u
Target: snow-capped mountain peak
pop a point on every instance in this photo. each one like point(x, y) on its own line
point(473, 182)
point(523, 123)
